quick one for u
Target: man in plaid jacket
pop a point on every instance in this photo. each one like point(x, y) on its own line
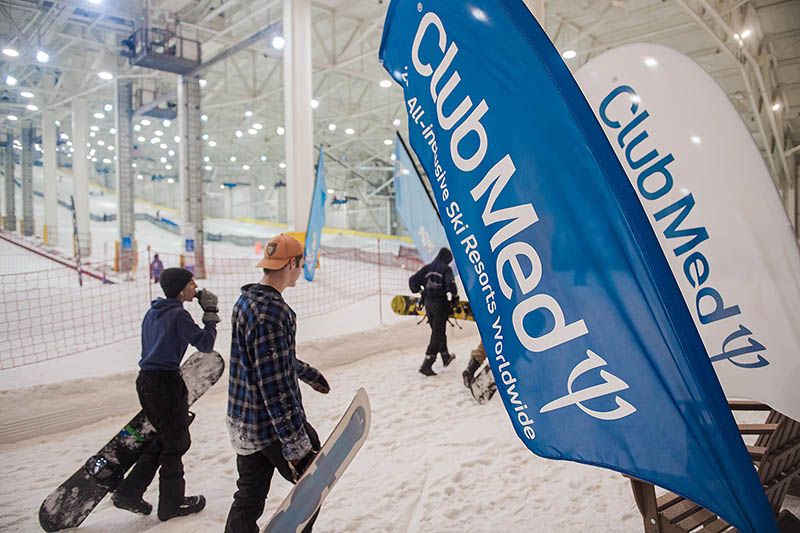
point(266, 420)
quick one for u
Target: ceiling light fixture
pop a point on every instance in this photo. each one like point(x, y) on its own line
point(569, 54)
point(42, 56)
point(10, 52)
point(278, 42)
point(104, 75)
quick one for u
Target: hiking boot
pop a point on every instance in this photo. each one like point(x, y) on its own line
point(135, 506)
point(447, 358)
point(190, 505)
point(469, 373)
point(427, 366)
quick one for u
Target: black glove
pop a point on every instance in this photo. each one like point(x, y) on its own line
point(320, 385)
point(208, 302)
point(300, 466)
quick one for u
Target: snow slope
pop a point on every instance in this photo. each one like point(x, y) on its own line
point(434, 461)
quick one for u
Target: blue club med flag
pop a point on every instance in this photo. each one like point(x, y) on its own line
point(316, 220)
point(594, 351)
point(414, 206)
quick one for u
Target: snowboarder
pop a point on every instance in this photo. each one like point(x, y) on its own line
point(266, 419)
point(156, 268)
point(436, 283)
point(476, 359)
point(167, 330)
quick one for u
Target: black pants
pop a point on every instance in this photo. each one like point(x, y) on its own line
point(255, 476)
point(163, 396)
point(438, 311)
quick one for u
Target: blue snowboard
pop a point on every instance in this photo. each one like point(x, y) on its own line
point(306, 497)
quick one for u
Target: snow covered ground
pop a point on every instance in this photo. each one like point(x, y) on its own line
point(434, 460)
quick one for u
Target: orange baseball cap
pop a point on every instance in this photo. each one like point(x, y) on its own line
point(279, 251)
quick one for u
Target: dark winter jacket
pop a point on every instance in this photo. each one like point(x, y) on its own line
point(167, 330)
point(264, 402)
point(435, 279)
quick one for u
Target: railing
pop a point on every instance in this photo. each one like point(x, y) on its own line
point(46, 314)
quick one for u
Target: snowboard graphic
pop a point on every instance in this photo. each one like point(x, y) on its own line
point(409, 305)
point(70, 504)
point(483, 386)
point(305, 498)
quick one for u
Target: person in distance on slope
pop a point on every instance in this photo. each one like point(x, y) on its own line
point(436, 283)
point(266, 419)
point(167, 330)
point(156, 268)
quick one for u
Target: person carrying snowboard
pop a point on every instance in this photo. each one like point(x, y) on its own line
point(436, 284)
point(167, 330)
point(266, 419)
point(476, 359)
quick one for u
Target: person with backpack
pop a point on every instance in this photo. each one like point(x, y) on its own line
point(436, 284)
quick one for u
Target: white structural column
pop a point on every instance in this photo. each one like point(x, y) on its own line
point(126, 217)
point(50, 179)
point(10, 215)
point(80, 173)
point(297, 94)
point(190, 174)
point(27, 179)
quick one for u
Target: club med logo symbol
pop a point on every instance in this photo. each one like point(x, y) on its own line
point(612, 384)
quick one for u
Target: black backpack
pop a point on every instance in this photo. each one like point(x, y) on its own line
point(434, 284)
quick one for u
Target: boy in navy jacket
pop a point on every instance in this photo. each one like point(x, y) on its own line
point(167, 330)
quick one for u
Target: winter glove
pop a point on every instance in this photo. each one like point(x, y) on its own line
point(208, 302)
point(320, 385)
point(299, 467)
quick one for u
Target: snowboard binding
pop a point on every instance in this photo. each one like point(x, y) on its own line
point(103, 471)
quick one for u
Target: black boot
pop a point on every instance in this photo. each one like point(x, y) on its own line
point(190, 505)
point(427, 365)
point(469, 372)
point(447, 358)
point(135, 506)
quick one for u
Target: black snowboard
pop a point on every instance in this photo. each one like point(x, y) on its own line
point(70, 504)
point(410, 305)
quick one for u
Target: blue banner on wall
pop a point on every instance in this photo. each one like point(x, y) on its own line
point(414, 206)
point(593, 349)
point(316, 220)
